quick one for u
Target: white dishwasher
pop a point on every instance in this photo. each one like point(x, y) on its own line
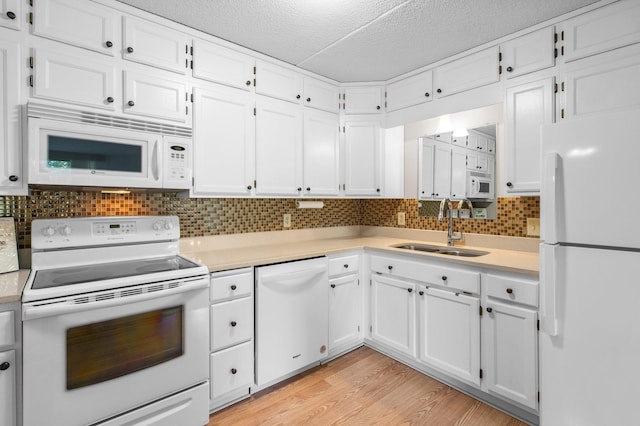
point(292, 318)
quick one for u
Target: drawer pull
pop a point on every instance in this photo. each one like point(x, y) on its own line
point(233, 323)
point(4, 366)
point(233, 287)
point(444, 278)
point(409, 290)
point(234, 371)
point(346, 266)
point(421, 293)
point(510, 290)
point(390, 267)
point(333, 286)
point(489, 310)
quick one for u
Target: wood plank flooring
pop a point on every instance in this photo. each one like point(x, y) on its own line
point(362, 387)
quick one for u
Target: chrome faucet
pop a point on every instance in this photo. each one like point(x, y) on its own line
point(451, 238)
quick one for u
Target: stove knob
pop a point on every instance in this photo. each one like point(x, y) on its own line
point(49, 231)
point(157, 226)
point(65, 230)
point(168, 226)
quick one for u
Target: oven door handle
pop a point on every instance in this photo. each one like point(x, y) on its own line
point(30, 312)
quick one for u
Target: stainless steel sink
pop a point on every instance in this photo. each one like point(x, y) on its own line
point(450, 251)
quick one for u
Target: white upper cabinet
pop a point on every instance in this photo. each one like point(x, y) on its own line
point(321, 95)
point(469, 72)
point(221, 65)
point(363, 100)
point(321, 153)
point(434, 162)
point(80, 23)
point(11, 14)
point(149, 95)
point(223, 139)
point(410, 91)
point(278, 148)
point(362, 158)
point(528, 106)
point(62, 77)
point(528, 53)
point(426, 158)
point(458, 173)
point(156, 45)
point(12, 181)
point(278, 82)
point(600, 30)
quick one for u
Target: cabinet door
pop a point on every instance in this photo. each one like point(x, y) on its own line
point(278, 148)
point(321, 153)
point(83, 24)
point(528, 106)
point(345, 311)
point(612, 26)
point(231, 369)
point(475, 70)
point(393, 313)
point(221, 65)
point(362, 158)
point(12, 181)
point(528, 53)
point(426, 161)
point(442, 171)
point(87, 82)
point(478, 142)
point(409, 91)
point(8, 389)
point(321, 95)
point(155, 45)
point(278, 82)
point(449, 333)
point(231, 323)
point(223, 139)
point(510, 342)
point(155, 96)
point(11, 14)
point(458, 173)
point(363, 100)
point(607, 82)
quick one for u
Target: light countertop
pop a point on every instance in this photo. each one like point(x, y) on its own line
point(12, 284)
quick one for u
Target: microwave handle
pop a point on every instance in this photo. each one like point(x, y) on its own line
point(155, 166)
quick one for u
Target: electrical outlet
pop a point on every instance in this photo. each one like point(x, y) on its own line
point(533, 227)
point(286, 222)
point(401, 218)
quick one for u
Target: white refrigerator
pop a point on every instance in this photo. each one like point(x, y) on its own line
point(590, 272)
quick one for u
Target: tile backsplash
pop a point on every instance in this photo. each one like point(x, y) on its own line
point(217, 216)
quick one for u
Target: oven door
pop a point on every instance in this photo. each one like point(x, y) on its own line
point(91, 357)
point(64, 153)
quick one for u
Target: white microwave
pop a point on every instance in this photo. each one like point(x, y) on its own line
point(88, 155)
point(480, 186)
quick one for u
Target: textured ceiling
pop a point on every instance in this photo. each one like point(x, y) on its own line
point(359, 40)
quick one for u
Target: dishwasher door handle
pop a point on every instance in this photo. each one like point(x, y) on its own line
point(292, 278)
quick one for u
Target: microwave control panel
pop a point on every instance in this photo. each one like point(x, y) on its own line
point(177, 170)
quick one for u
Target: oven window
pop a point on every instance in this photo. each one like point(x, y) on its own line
point(484, 187)
point(105, 350)
point(71, 153)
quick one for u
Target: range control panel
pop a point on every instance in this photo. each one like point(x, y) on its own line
point(101, 231)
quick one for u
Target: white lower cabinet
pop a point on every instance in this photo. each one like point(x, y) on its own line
point(393, 313)
point(345, 303)
point(231, 339)
point(7, 388)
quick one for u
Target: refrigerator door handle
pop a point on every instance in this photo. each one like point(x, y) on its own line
point(548, 289)
point(548, 201)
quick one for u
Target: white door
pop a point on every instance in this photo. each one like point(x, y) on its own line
point(426, 159)
point(278, 148)
point(345, 311)
point(83, 24)
point(510, 343)
point(221, 65)
point(10, 14)
point(231, 369)
point(223, 139)
point(607, 82)
point(278, 82)
point(321, 95)
point(12, 181)
point(449, 333)
point(528, 53)
point(409, 91)
point(475, 70)
point(87, 82)
point(458, 173)
point(363, 100)
point(528, 106)
point(393, 313)
point(442, 171)
point(321, 153)
point(362, 158)
point(151, 95)
point(156, 45)
point(8, 389)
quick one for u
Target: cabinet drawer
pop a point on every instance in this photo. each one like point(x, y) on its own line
point(231, 286)
point(512, 289)
point(231, 369)
point(7, 335)
point(231, 323)
point(344, 265)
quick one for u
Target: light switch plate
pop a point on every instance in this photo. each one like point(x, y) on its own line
point(402, 218)
point(533, 227)
point(286, 222)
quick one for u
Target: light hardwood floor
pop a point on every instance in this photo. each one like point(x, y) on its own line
point(362, 387)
